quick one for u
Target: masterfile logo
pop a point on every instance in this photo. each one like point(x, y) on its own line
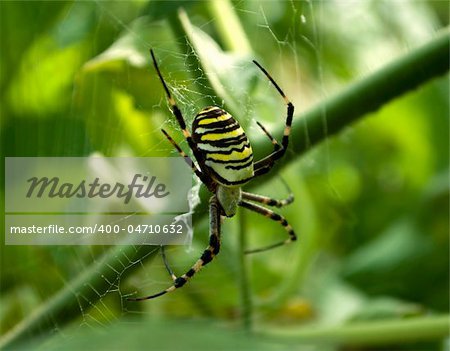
point(97, 184)
point(50, 188)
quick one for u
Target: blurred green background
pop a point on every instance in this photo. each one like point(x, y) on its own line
point(372, 203)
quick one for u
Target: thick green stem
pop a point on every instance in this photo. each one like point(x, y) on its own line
point(369, 94)
point(382, 332)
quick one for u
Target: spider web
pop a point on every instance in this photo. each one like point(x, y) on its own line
point(294, 32)
point(193, 91)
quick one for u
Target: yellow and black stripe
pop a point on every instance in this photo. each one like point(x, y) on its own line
point(273, 216)
point(268, 200)
point(223, 145)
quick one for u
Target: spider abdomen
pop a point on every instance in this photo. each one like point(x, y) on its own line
point(224, 147)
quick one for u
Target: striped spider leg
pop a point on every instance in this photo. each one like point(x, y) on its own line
point(269, 214)
point(208, 254)
point(268, 201)
point(263, 166)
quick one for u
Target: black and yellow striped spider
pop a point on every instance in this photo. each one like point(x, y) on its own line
point(224, 164)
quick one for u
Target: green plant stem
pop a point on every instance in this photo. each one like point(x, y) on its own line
point(229, 27)
point(182, 30)
point(382, 332)
point(403, 75)
point(209, 85)
point(244, 286)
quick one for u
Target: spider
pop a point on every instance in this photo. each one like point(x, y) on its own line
point(224, 164)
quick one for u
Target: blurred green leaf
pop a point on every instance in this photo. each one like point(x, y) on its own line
point(21, 23)
point(371, 204)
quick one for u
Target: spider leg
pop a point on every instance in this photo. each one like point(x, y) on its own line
point(208, 254)
point(264, 165)
point(166, 264)
point(268, 201)
point(274, 216)
point(275, 143)
point(265, 200)
point(186, 158)
point(179, 116)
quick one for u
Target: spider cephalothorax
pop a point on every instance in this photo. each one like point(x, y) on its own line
point(225, 163)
